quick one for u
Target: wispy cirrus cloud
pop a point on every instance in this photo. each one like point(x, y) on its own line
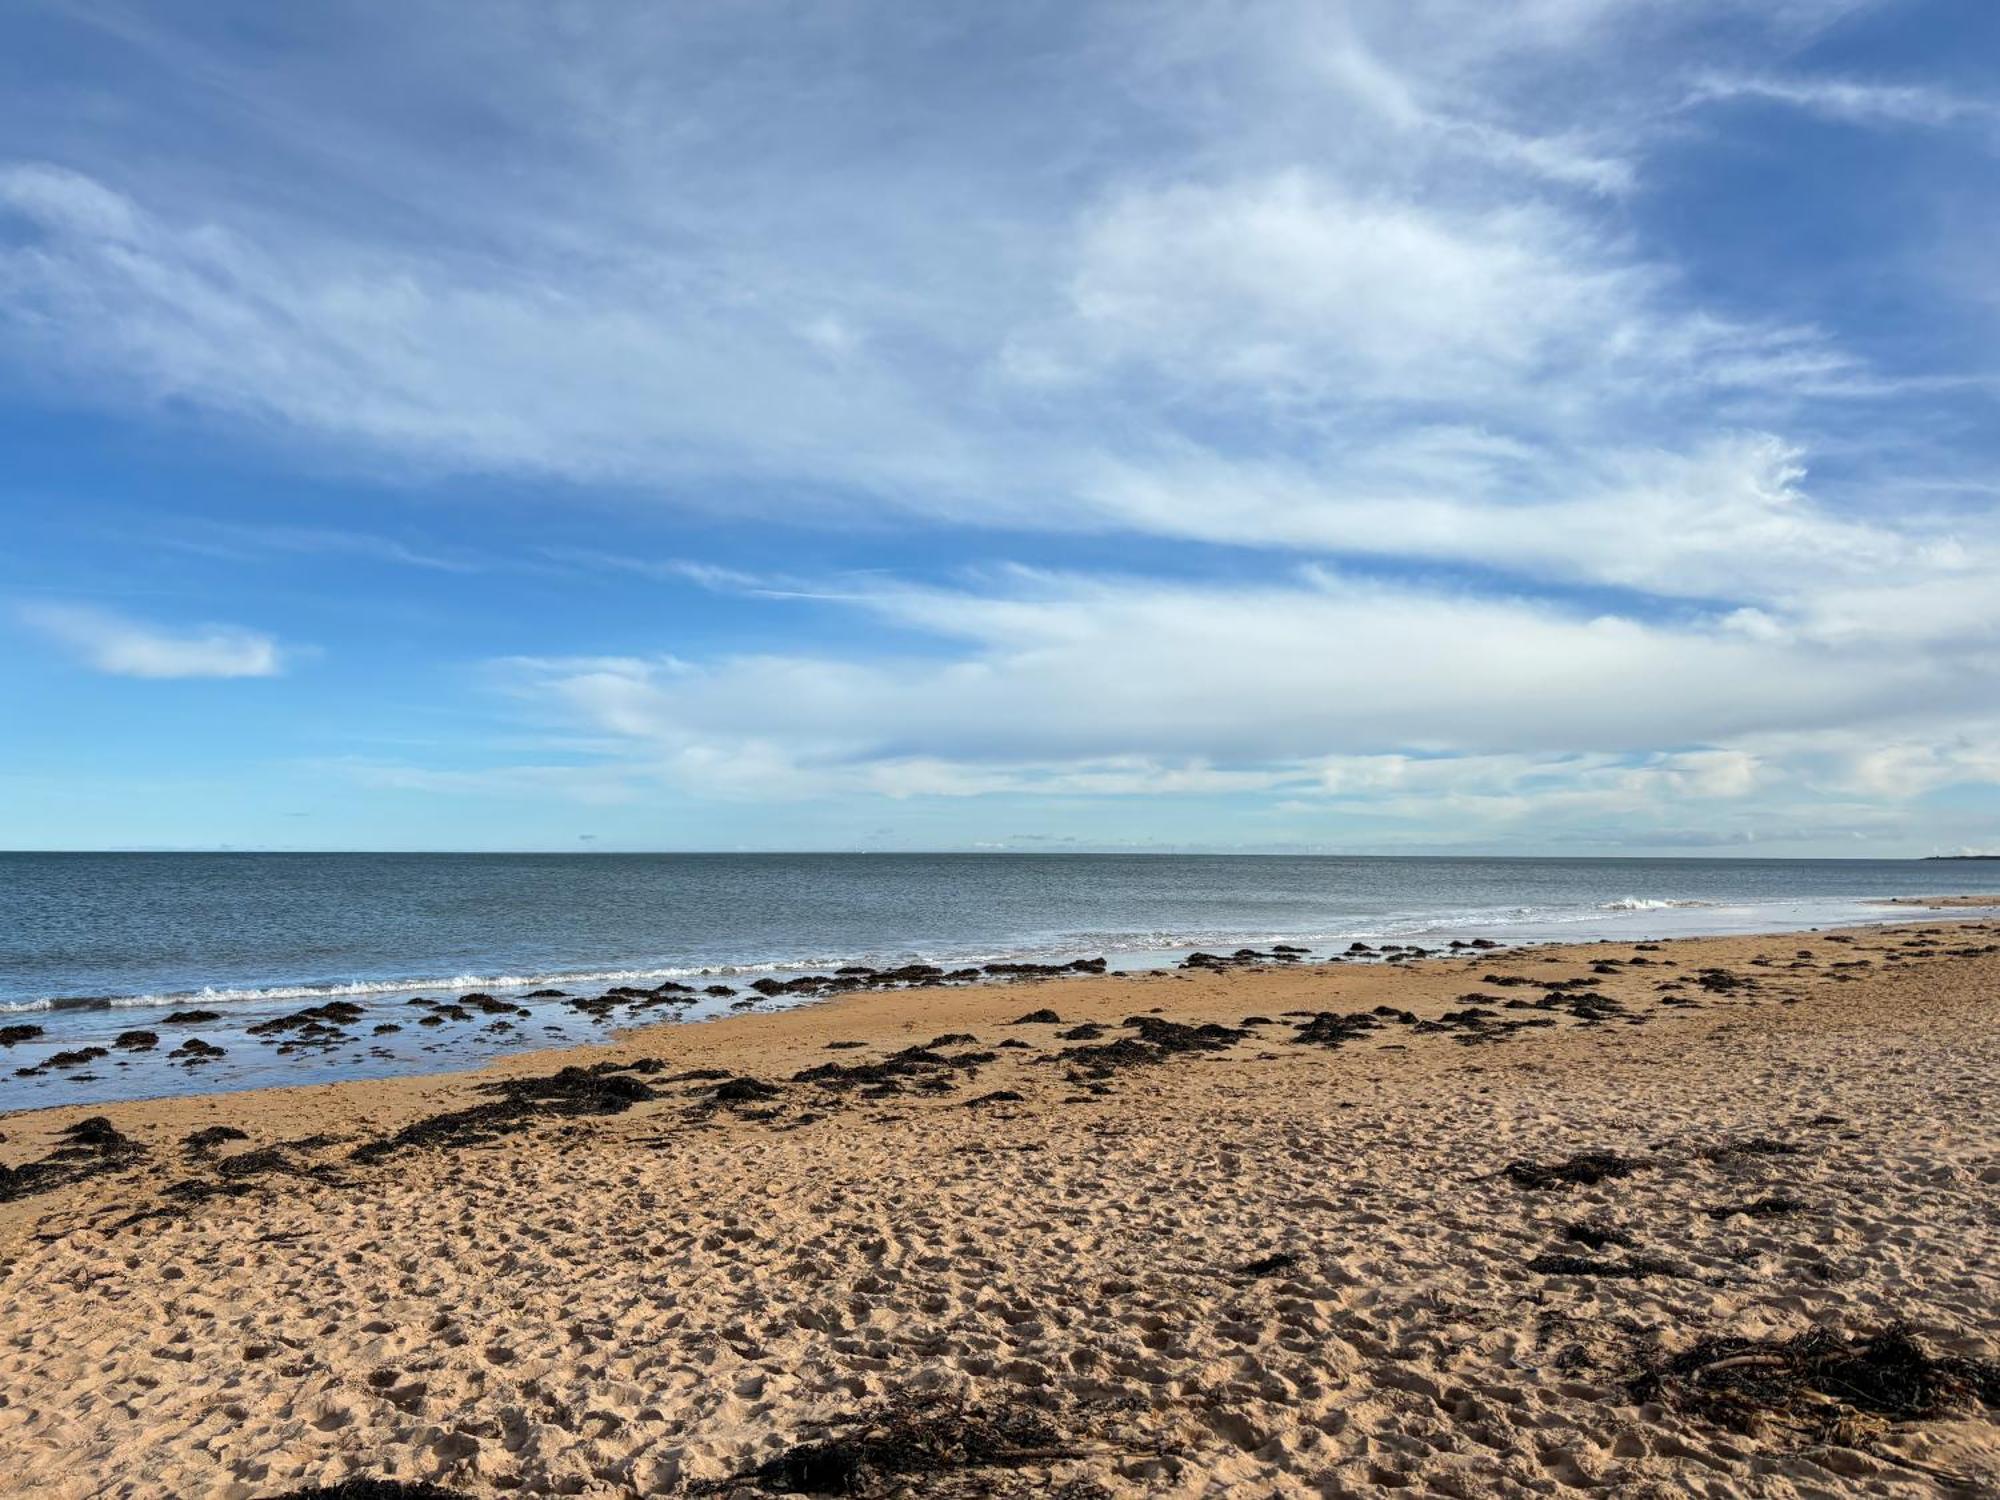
point(1346, 225)
point(1855, 101)
point(120, 646)
point(253, 540)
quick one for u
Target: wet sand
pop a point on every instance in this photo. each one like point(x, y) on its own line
point(1191, 1254)
point(1946, 903)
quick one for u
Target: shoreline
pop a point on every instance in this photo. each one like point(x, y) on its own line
point(55, 1050)
point(727, 1259)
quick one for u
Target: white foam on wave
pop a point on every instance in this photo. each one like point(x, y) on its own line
point(1650, 903)
point(1532, 923)
point(331, 990)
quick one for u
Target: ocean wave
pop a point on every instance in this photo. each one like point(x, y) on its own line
point(1650, 903)
point(1122, 945)
point(462, 983)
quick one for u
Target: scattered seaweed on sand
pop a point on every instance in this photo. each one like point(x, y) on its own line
point(1777, 1206)
point(208, 1138)
point(375, 1489)
point(1269, 1265)
point(1819, 1384)
point(1157, 1040)
point(1241, 958)
point(928, 1438)
point(90, 1148)
point(920, 1065)
point(1333, 1030)
point(606, 1089)
point(1043, 1017)
point(1756, 1145)
point(1590, 1265)
point(1596, 1234)
point(1585, 1169)
point(744, 1090)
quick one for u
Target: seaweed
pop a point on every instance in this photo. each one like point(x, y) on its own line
point(1331, 1029)
point(1157, 1041)
point(744, 1091)
point(606, 1089)
point(1757, 1145)
point(1267, 1265)
point(91, 1148)
point(1586, 1168)
point(1590, 1265)
point(921, 1437)
point(364, 1488)
point(928, 1068)
point(210, 1137)
point(1596, 1234)
point(1776, 1206)
point(1819, 1384)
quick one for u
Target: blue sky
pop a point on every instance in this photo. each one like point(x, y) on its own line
point(1564, 427)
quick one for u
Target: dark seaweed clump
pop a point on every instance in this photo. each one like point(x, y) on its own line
point(1819, 1384)
point(1590, 1265)
point(375, 1489)
point(208, 1138)
point(925, 1066)
point(922, 1438)
point(1244, 957)
point(90, 1148)
point(744, 1091)
point(1331, 1029)
point(1157, 1040)
point(1269, 1265)
point(1596, 1234)
point(1584, 1169)
point(606, 1089)
point(1757, 1145)
point(1777, 1206)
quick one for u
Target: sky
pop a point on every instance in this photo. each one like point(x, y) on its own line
point(1393, 426)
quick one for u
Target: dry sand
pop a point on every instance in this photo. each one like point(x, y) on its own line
point(637, 1303)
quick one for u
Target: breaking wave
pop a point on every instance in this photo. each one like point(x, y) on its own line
point(1649, 903)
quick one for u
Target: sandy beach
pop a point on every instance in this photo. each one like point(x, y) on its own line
point(1520, 1222)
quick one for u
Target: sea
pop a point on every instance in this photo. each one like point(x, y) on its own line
point(93, 946)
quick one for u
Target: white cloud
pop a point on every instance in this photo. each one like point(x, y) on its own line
point(1352, 224)
point(123, 647)
point(1330, 684)
point(1730, 520)
point(1367, 286)
point(1850, 100)
point(1288, 282)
